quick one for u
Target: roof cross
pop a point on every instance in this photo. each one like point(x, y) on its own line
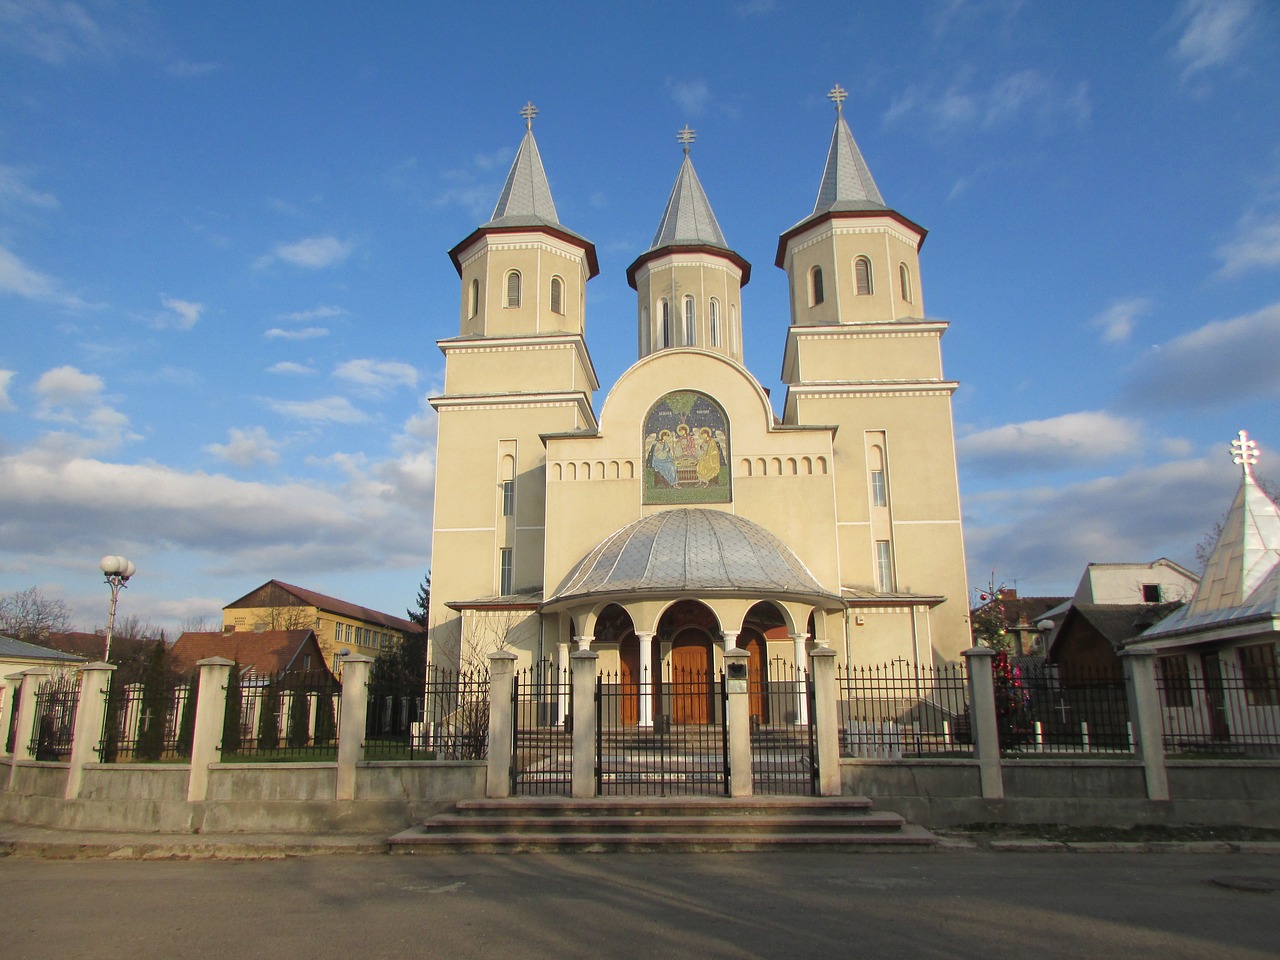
point(1244, 452)
point(837, 96)
point(528, 111)
point(686, 136)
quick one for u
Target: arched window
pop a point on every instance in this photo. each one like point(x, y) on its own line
point(690, 322)
point(862, 276)
point(513, 288)
point(557, 295)
point(816, 294)
point(473, 307)
point(904, 281)
point(713, 319)
point(664, 334)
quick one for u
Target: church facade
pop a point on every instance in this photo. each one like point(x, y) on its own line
point(684, 516)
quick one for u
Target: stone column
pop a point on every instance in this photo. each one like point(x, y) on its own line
point(95, 681)
point(730, 640)
point(826, 721)
point(799, 642)
point(355, 706)
point(982, 720)
point(1146, 719)
point(584, 643)
point(584, 722)
point(211, 715)
point(502, 675)
point(646, 679)
point(738, 719)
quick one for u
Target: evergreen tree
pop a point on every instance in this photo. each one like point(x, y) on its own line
point(269, 721)
point(299, 718)
point(231, 719)
point(187, 725)
point(326, 725)
point(419, 615)
point(154, 706)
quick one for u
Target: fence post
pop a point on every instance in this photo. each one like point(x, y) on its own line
point(9, 703)
point(211, 713)
point(982, 720)
point(502, 670)
point(1145, 716)
point(583, 664)
point(738, 719)
point(31, 680)
point(95, 681)
point(826, 722)
point(351, 725)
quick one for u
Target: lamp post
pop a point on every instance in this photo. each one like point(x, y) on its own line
point(117, 571)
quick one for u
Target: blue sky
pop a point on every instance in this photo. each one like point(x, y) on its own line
point(223, 236)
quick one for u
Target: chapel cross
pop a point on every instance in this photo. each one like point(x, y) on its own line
point(528, 111)
point(837, 96)
point(686, 136)
point(1244, 452)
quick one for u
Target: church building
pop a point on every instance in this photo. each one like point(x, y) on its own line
point(683, 516)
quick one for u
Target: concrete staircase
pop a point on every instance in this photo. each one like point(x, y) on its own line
point(662, 824)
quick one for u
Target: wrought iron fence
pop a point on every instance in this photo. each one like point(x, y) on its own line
point(783, 751)
point(56, 702)
point(1218, 706)
point(291, 715)
point(900, 709)
point(148, 722)
point(1043, 708)
point(442, 717)
point(542, 730)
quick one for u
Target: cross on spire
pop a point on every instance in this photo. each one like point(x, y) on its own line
point(528, 111)
point(1244, 452)
point(686, 136)
point(838, 95)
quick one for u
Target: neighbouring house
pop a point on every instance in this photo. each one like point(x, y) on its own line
point(1160, 581)
point(1088, 641)
point(92, 646)
point(338, 625)
point(1217, 656)
point(259, 653)
point(18, 655)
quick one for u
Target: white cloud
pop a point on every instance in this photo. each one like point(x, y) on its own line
point(182, 314)
point(1072, 439)
point(245, 448)
point(15, 189)
point(324, 410)
point(1013, 98)
point(24, 281)
point(53, 32)
point(316, 313)
point(494, 160)
point(306, 333)
point(1118, 320)
point(1215, 30)
point(68, 387)
point(288, 366)
point(1256, 244)
point(312, 253)
point(377, 377)
point(691, 96)
point(188, 68)
point(6, 378)
point(1222, 362)
point(69, 396)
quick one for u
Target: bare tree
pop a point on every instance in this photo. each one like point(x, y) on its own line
point(285, 618)
point(202, 623)
point(29, 614)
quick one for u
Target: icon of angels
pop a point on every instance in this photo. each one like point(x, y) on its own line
point(686, 450)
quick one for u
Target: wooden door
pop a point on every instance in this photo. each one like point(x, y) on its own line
point(757, 676)
point(629, 679)
point(691, 686)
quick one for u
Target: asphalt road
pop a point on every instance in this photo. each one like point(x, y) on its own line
point(919, 906)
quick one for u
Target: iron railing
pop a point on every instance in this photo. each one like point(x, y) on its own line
point(783, 748)
point(148, 721)
point(444, 716)
point(1213, 707)
point(291, 715)
point(1042, 708)
point(56, 701)
point(542, 730)
point(899, 709)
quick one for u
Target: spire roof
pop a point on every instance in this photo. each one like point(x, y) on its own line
point(688, 220)
point(846, 181)
point(525, 200)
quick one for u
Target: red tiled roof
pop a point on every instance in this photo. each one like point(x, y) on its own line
point(92, 645)
point(263, 652)
point(334, 605)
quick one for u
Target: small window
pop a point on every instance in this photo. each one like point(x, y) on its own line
point(664, 334)
point(884, 566)
point(473, 307)
point(879, 494)
point(1261, 678)
point(904, 281)
point(508, 498)
point(504, 572)
point(557, 295)
point(1151, 593)
point(713, 319)
point(862, 276)
point(513, 288)
point(690, 322)
point(816, 294)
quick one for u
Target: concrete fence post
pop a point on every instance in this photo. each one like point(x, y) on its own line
point(738, 720)
point(826, 720)
point(91, 709)
point(982, 720)
point(583, 665)
point(502, 678)
point(1146, 720)
point(8, 703)
point(351, 725)
point(212, 677)
point(31, 680)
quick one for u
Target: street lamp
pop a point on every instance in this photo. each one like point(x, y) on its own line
point(117, 571)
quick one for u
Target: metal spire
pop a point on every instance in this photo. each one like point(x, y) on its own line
point(1244, 453)
point(837, 96)
point(687, 136)
point(528, 111)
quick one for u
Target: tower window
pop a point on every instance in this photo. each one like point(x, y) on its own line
point(879, 493)
point(508, 498)
point(557, 295)
point(690, 322)
point(884, 566)
point(816, 293)
point(862, 276)
point(473, 307)
point(904, 281)
point(504, 572)
point(664, 334)
point(713, 318)
point(513, 288)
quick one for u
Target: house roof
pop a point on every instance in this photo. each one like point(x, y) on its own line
point(261, 652)
point(21, 650)
point(1119, 622)
point(91, 646)
point(330, 605)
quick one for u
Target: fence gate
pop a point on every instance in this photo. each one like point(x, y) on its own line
point(662, 739)
point(542, 731)
point(784, 755)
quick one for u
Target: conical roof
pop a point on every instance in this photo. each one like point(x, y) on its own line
point(847, 183)
point(525, 200)
point(688, 219)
